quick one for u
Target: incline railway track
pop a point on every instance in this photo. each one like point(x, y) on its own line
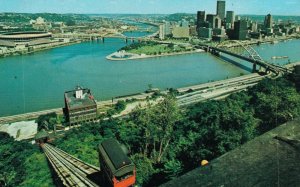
point(72, 171)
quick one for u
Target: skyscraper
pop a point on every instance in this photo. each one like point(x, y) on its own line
point(268, 21)
point(210, 18)
point(237, 18)
point(167, 28)
point(218, 22)
point(221, 9)
point(162, 32)
point(254, 27)
point(214, 21)
point(240, 30)
point(230, 18)
point(200, 18)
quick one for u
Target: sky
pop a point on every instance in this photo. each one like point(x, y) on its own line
point(258, 7)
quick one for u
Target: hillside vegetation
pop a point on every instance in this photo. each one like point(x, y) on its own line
point(163, 140)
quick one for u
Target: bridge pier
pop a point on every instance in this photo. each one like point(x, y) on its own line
point(214, 52)
point(126, 40)
point(254, 68)
point(206, 49)
point(262, 70)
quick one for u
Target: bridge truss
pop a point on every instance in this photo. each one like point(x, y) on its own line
point(240, 48)
point(245, 50)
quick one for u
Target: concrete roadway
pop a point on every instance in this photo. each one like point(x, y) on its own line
point(216, 90)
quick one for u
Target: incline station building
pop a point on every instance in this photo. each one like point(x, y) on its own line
point(80, 106)
point(25, 39)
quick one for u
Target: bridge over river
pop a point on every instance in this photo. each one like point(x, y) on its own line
point(101, 37)
point(245, 52)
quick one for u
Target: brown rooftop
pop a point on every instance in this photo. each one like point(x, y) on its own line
point(85, 99)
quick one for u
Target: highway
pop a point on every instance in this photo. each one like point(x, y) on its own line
point(72, 171)
point(220, 89)
point(218, 83)
point(217, 89)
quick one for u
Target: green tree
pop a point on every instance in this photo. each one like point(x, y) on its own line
point(172, 168)
point(144, 168)
point(20, 161)
point(47, 121)
point(120, 106)
point(70, 22)
point(155, 126)
point(167, 115)
point(275, 102)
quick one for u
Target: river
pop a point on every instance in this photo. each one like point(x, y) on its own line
point(38, 81)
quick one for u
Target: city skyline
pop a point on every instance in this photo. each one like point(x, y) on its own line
point(275, 7)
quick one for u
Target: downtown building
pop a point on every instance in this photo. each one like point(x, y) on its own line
point(162, 32)
point(214, 21)
point(165, 30)
point(240, 31)
point(268, 21)
point(201, 19)
point(230, 19)
point(181, 32)
point(221, 5)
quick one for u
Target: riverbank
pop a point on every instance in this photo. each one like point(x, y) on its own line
point(38, 48)
point(117, 56)
point(265, 41)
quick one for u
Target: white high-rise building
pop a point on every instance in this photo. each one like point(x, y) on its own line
point(162, 32)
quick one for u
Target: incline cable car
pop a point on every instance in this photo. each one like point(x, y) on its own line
point(115, 164)
point(42, 137)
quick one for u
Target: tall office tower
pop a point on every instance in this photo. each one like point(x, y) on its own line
point(221, 9)
point(268, 21)
point(210, 18)
point(254, 27)
point(240, 30)
point(230, 18)
point(201, 18)
point(218, 22)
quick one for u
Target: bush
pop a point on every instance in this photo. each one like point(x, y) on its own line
point(120, 106)
point(47, 121)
